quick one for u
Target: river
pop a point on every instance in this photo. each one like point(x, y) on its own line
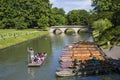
point(13, 60)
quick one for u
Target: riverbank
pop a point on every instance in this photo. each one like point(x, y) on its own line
point(11, 37)
point(113, 53)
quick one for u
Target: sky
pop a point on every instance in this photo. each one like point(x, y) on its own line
point(69, 5)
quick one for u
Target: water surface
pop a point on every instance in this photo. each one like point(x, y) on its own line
point(13, 60)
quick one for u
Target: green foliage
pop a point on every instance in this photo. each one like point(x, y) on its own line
point(78, 17)
point(101, 28)
point(59, 11)
point(110, 10)
point(21, 14)
point(115, 33)
point(106, 5)
point(57, 17)
point(105, 15)
point(43, 22)
point(111, 35)
point(20, 23)
point(116, 18)
point(102, 24)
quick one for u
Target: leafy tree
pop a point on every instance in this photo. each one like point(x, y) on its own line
point(57, 17)
point(59, 11)
point(23, 13)
point(20, 23)
point(109, 9)
point(116, 18)
point(106, 5)
point(60, 20)
point(116, 36)
point(101, 28)
point(43, 22)
point(78, 17)
point(102, 24)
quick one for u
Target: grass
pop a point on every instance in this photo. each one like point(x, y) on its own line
point(10, 37)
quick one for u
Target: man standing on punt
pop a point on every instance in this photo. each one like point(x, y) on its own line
point(31, 54)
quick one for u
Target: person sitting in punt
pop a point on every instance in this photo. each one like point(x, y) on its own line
point(45, 54)
point(35, 59)
point(39, 53)
point(39, 60)
point(40, 56)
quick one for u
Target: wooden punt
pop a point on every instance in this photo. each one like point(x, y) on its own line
point(36, 64)
point(89, 60)
point(65, 73)
point(66, 59)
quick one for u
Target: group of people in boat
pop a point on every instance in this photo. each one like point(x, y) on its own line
point(38, 58)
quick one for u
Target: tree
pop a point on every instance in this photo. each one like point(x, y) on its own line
point(109, 9)
point(78, 17)
point(109, 6)
point(20, 23)
point(106, 5)
point(100, 33)
point(43, 22)
point(59, 11)
point(57, 17)
point(28, 11)
point(102, 24)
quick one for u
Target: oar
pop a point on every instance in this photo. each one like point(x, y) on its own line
point(28, 55)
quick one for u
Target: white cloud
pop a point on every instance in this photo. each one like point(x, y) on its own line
point(68, 5)
point(53, 1)
point(85, 2)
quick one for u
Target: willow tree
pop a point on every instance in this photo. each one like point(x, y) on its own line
point(100, 27)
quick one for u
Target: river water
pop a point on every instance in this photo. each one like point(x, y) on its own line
point(13, 60)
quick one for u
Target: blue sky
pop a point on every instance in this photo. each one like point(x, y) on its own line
point(69, 5)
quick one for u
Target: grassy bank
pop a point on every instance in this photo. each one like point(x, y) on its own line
point(11, 37)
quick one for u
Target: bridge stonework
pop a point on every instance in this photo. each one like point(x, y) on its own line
point(64, 28)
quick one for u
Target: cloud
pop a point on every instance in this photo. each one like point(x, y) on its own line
point(69, 5)
point(83, 2)
point(53, 1)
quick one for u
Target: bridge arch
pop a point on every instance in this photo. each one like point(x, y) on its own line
point(63, 29)
point(82, 30)
point(57, 31)
point(69, 29)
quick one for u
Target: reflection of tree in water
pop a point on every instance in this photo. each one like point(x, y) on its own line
point(110, 77)
point(31, 73)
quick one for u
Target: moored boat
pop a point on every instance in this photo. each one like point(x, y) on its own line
point(82, 58)
point(65, 73)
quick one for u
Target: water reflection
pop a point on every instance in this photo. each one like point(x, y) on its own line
point(31, 73)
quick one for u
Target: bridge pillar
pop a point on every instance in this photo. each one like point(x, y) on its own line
point(51, 30)
point(76, 29)
point(63, 29)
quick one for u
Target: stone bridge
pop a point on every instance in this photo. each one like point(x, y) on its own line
point(63, 29)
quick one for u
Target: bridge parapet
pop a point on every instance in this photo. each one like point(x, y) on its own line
point(71, 26)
